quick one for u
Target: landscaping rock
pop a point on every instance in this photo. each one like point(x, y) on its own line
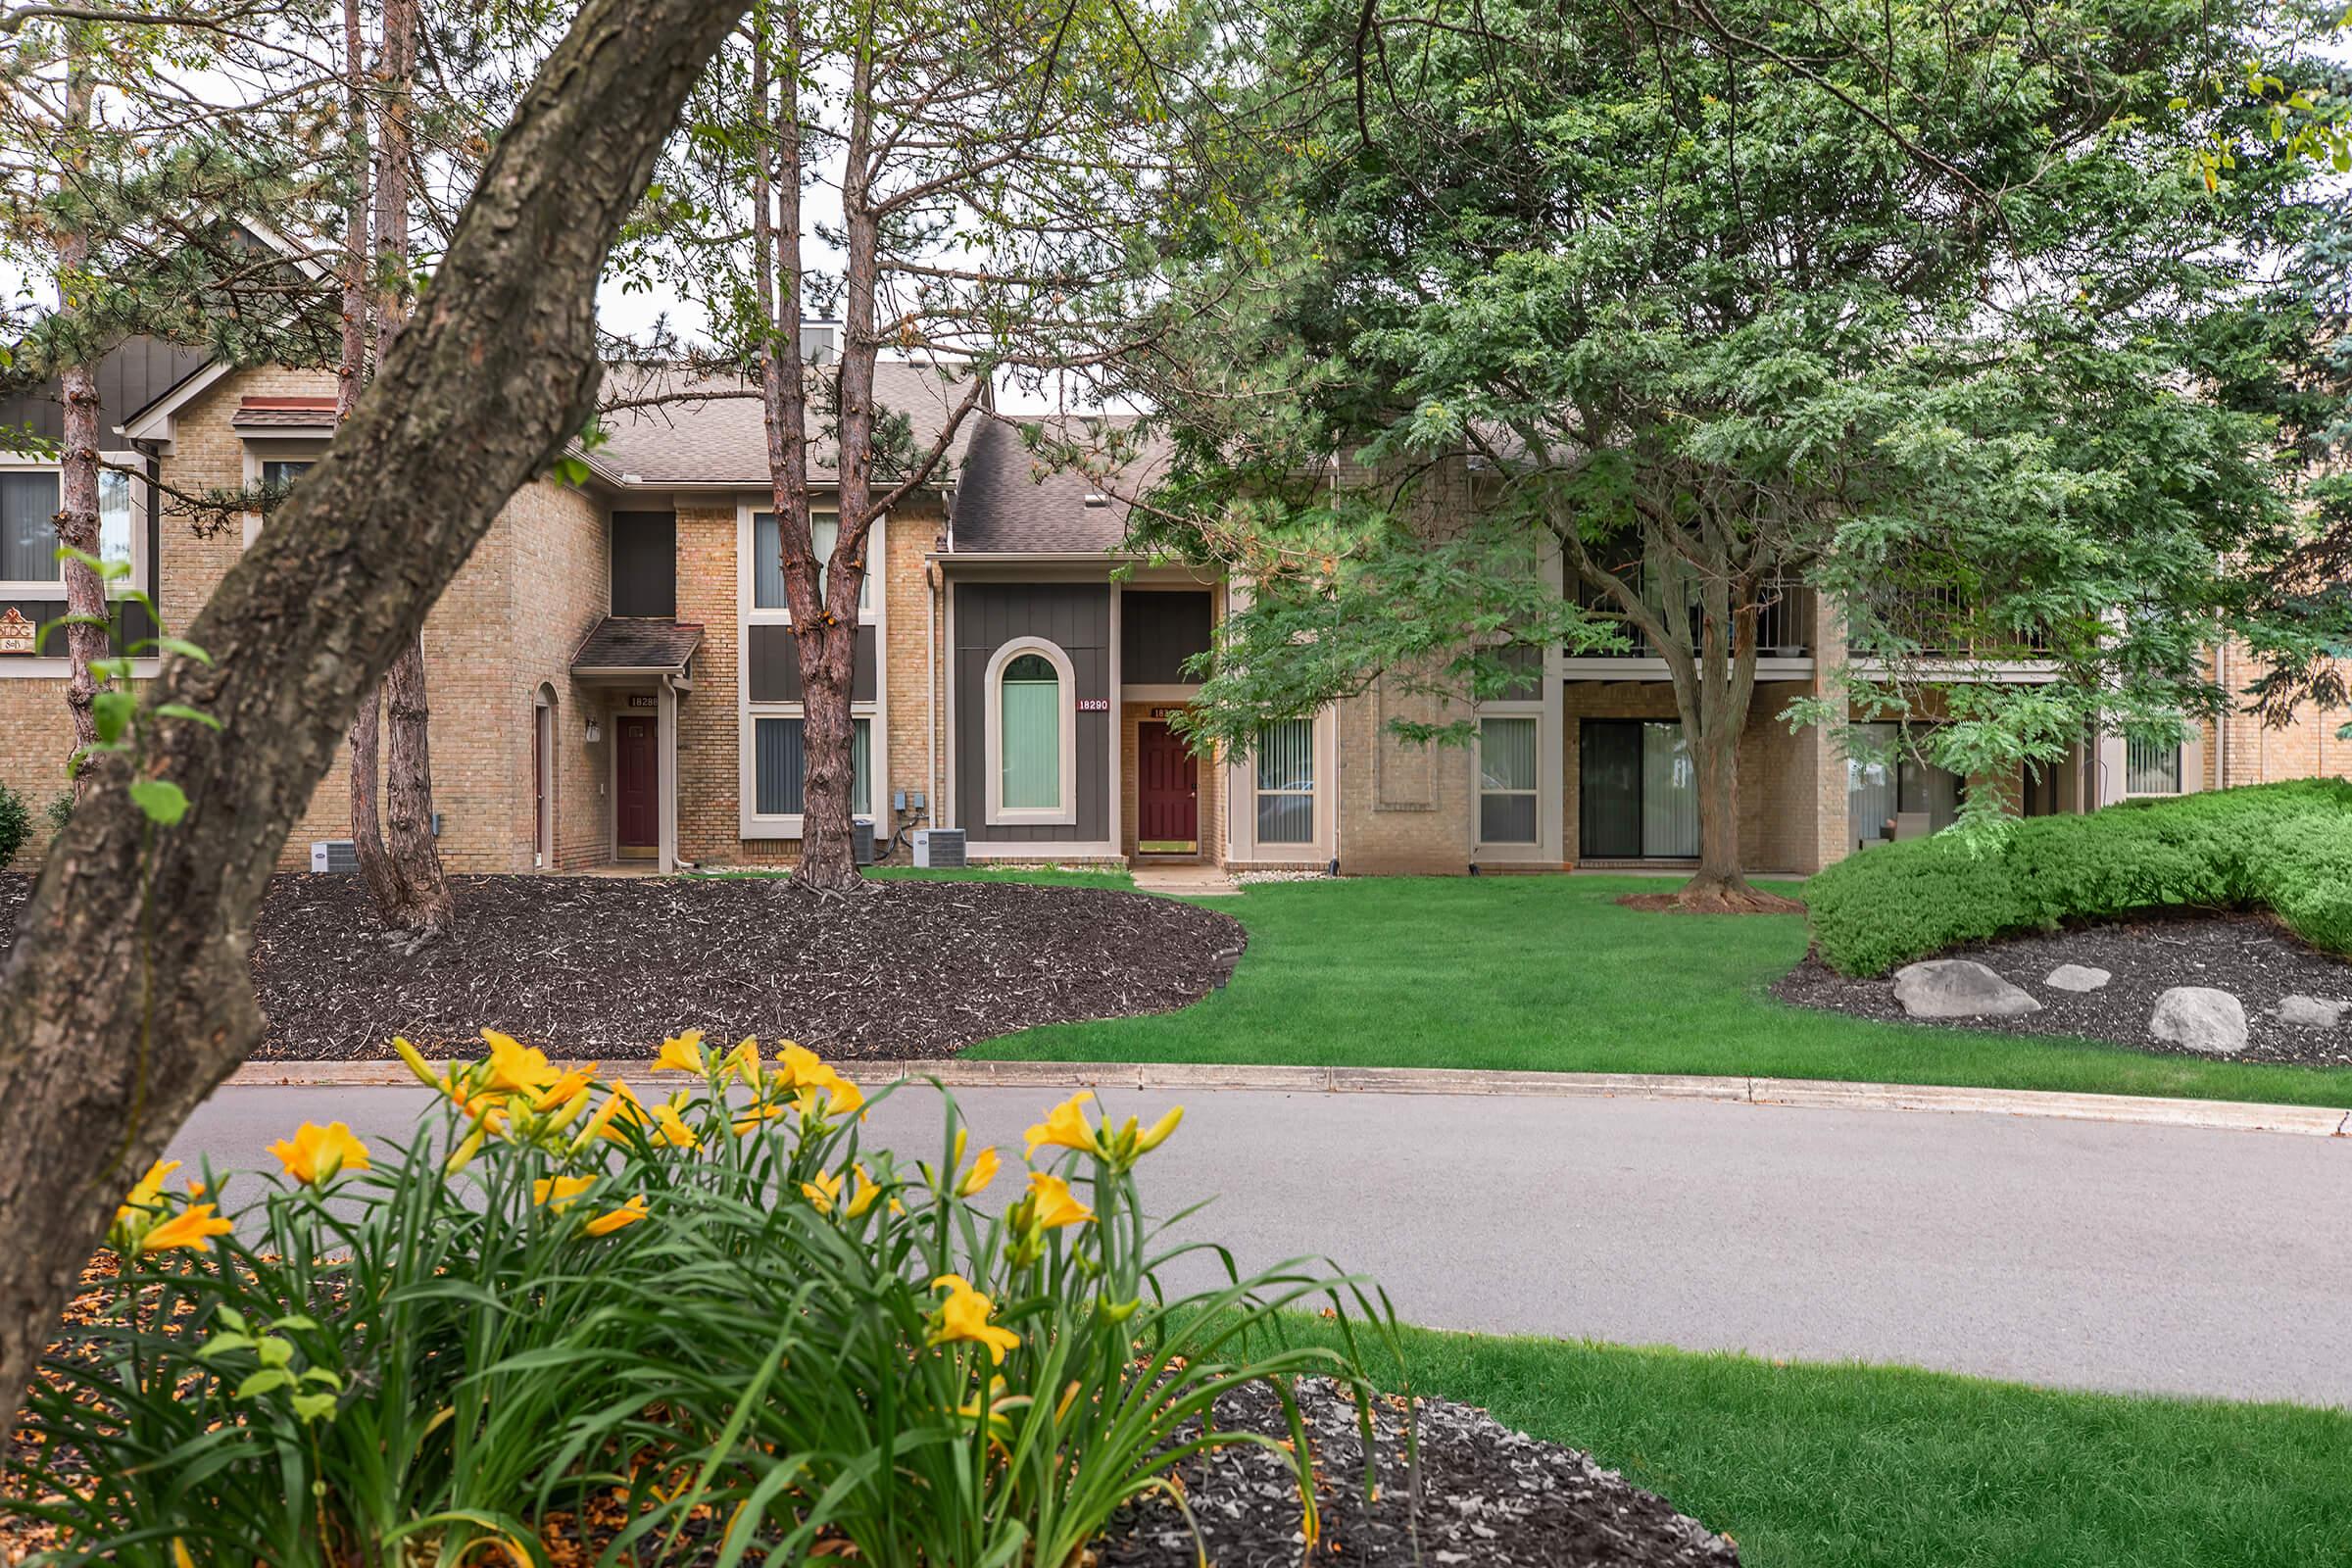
point(2076, 977)
point(1958, 988)
point(2200, 1018)
point(2312, 1012)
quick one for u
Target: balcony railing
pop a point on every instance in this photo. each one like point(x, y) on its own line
point(1784, 622)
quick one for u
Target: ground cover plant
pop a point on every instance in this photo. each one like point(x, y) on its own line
point(1811, 1465)
point(2286, 847)
point(717, 1307)
point(1549, 974)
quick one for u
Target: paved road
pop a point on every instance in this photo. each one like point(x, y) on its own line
point(2059, 1253)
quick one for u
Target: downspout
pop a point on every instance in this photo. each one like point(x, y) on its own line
point(2221, 723)
point(931, 683)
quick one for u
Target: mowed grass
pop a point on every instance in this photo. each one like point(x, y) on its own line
point(1551, 974)
point(1824, 1466)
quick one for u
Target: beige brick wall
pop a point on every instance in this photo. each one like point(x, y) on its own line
point(2242, 750)
point(1403, 808)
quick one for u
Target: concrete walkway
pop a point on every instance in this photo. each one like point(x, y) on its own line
point(2094, 1255)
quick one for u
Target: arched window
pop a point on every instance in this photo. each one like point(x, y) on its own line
point(1031, 734)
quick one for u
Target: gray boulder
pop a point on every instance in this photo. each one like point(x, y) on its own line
point(2312, 1012)
point(2076, 977)
point(2201, 1018)
point(1958, 988)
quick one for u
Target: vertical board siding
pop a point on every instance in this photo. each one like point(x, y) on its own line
point(1075, 616)
point(773, 662)
point(1159, 630)
point(645, 565)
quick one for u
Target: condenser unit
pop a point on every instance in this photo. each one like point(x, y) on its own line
point(339, 856)
point(938, 847)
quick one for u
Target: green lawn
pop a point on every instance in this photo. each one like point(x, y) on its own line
point(1822, 1466)
point(1548, 973)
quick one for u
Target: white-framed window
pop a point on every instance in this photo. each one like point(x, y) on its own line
point(275, 466)
point(1032, 734)
point(1508, 779)
point(780, 764)
point(1286, 781)
point(2151, 767)
point(767, 560)
point(29, 505)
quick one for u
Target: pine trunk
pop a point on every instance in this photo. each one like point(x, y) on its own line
point(426, 907)
point(127, 996)
point(828, 848)
point(78, 451)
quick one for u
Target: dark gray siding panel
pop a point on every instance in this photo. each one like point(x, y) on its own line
point(645, 564)
point(129, 378)
point(1075, 616)
point(774, 662)
point(1159, 630)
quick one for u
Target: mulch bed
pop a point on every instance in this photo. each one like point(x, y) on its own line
point(605, 967)
point(2252, 956)
point(1486, 1497)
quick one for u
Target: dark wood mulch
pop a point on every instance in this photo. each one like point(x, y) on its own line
point(2252, 956)
point(1486, 1497)
point(596, 966)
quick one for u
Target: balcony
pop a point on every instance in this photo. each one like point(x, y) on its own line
point(1783, 639)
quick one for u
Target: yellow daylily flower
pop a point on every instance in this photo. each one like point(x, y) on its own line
point(822, 1191)
point(313, 1155)
point(620, 1106)
point(558, 1193)
point(801, 1067)
point(612, 1220)
point(1064, 1127)
point(517, 1068)
point(1051, 1204)
point(422, 1068)
point(563, 1091)
point(751, 1116)
point(182, 1557)
point(863, 1192)
point(673, 1129)
point(146, 1191)
point(682, 1053)
point(975, 1181)
point(192, 1228)
point(964, 1316)
point(1157, 1133)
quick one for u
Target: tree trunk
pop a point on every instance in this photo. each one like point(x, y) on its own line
point(828, 852)
point(1714, 686)
point(127, 997)
point(77, 449)
point(364, 740)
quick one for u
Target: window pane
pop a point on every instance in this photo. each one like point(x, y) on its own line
point(114, 515)
point(781, 763)
point(1610, 790)
point(861, 761)
point(1506, 754)
point(28, 527)
point(1507, 819)
point(281, 476)
point(1030, 734)
point(1286, 755)
point(1285, 820)
point(1870, 803)
point(1669, 794)
point(768, 562)
point(1925, 787)
point(2151, 770)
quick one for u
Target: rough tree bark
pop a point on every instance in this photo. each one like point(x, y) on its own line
point(365, 742)
point(113, 1027)
point(77, 447)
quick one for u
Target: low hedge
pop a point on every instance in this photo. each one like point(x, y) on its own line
point(2282, 847)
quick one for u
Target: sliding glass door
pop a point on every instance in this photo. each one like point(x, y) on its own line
point(1897, 796)
point(1638, 794)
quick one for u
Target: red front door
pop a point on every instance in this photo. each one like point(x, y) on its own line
point(539, 721)
point(637, 813)
point(1167, 792)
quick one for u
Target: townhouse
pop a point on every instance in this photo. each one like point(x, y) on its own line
point(614, 678)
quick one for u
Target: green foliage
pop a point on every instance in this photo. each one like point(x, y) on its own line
point(125, 724)
point(16, 824)
point(2282, 847)
point(724, 1302)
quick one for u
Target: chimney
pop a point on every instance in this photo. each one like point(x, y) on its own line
point(816, 342)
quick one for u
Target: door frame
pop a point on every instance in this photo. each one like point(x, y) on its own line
point(1141, 843)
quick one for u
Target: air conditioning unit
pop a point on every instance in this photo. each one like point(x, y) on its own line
point(938, 847)
point(862, 840)
point(337, 857)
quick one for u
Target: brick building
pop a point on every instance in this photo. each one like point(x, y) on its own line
point(613, 678)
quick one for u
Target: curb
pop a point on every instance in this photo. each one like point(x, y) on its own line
point(2308, 1121)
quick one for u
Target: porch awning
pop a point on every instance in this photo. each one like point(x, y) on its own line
point(621, 645)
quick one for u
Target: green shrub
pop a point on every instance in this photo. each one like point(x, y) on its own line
point(713, 1307)
point(2283, 847)
point(16, 824)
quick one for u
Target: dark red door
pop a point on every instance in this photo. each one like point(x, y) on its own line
point(539, 721)
point(638, 815)
point(1167, 791)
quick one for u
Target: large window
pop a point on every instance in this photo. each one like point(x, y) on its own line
point(2151, 767)
point(1029, 708)
point(781, 767)
point(767, 564)
point(1286, 782)
point(29, 526)
point(116, 517)
point(1636, 791)
point(1897, 794)
point(1506, 780)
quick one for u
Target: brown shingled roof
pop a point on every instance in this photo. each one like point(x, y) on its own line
point(1007, 499)
point(722, 441)
point(629, 644)
point(284, 412)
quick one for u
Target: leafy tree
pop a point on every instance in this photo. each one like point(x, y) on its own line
point(993, 161)
point(1710, 301)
